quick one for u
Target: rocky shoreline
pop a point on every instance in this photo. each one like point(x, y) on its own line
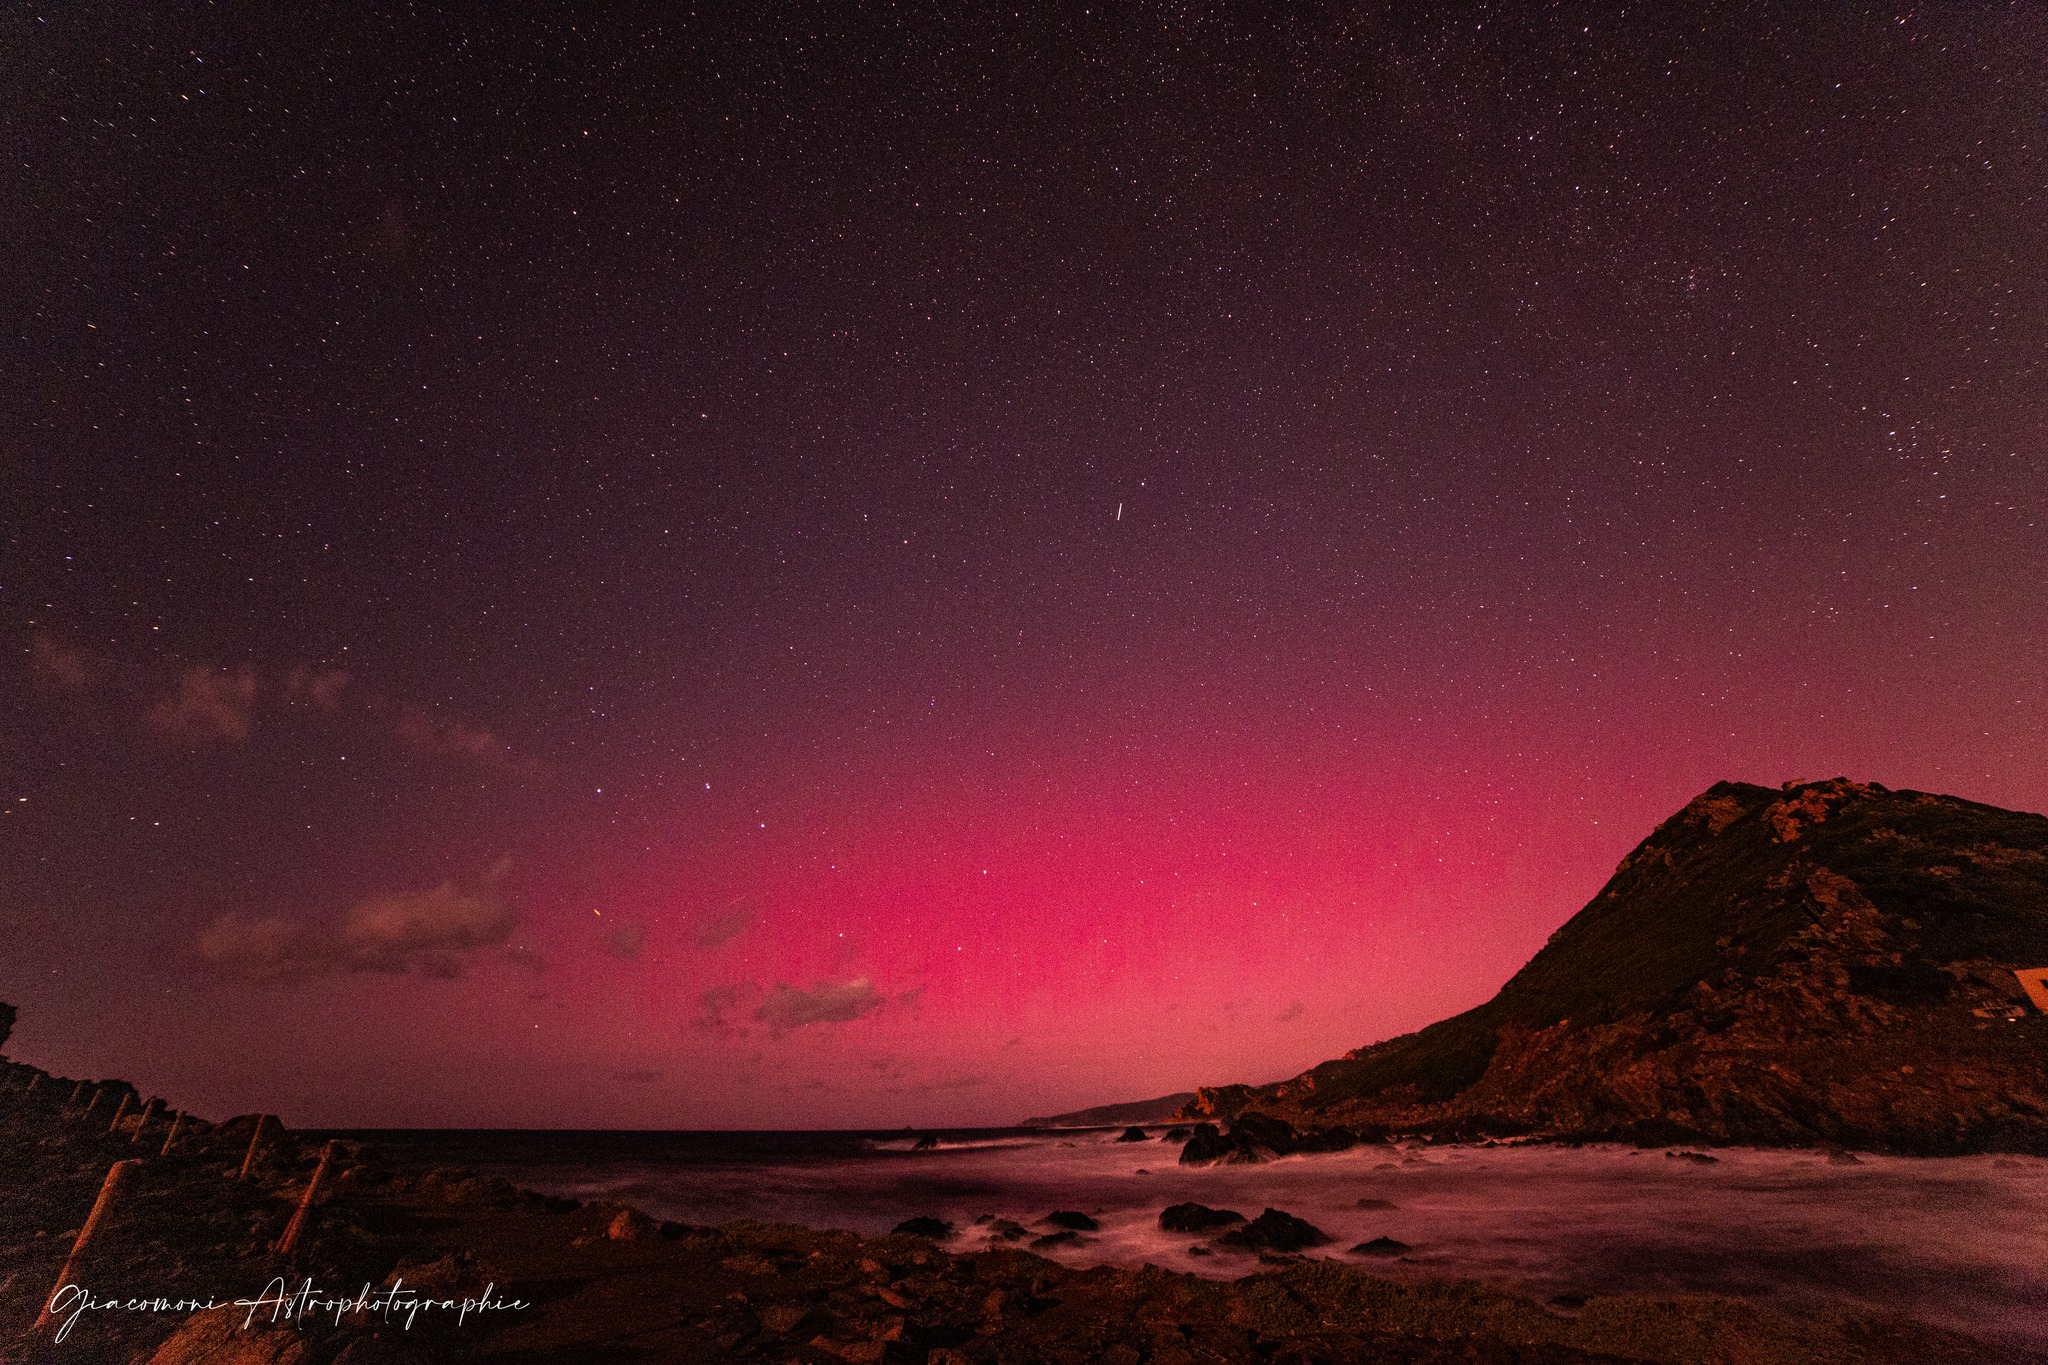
point(207, 1211)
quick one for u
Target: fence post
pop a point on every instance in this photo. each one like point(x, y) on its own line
point(121, 1112)
point(255, 1142)
point(101, 1208)
point(298, 1223)
point(149, 1111)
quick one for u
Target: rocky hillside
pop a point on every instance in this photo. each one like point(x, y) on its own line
point(1110, 1115)
point(1827, 963)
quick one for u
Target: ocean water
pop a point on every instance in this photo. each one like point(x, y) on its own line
point(1961, 1242)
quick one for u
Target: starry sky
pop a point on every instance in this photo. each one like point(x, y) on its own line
point(813, 565)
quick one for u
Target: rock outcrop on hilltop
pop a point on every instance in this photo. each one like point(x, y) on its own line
point(1829, 963)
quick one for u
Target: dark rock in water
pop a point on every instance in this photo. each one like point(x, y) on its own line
point(1003, 1230)
point(1697, 1158)
point(1199, 1250)
point(925, 1143)
point(1205, 1145)
point(1277, 1231)
point(1338, 1139)
point(1176, 1135)
point(1260, 1137)
point(1057, 1239)
point(1197, 1218)
point(1134, 1135)
point(1381, 1246)
point(1262, 1133)
point(1377, 1204)
point(925, 1227)
point(1841, 1158)
point(1072, 1221)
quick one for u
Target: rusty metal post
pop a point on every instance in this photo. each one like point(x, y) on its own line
point(298, 1223)
point(121, 1112)
point(255, 1143)
point(177, 1122)
point(149, 1111)
point(101, 1208)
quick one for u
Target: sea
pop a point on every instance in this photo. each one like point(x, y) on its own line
point(1959, 1242)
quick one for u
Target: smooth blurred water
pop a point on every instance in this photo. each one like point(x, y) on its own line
point(1962, 1242)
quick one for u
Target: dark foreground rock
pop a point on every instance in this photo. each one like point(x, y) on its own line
point(1133, 1135)
point(742, 1292)
point(934, 1228)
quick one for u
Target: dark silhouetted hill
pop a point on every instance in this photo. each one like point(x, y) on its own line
point(1109, 1115)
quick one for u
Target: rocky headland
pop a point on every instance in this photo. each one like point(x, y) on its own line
point(1823, 964)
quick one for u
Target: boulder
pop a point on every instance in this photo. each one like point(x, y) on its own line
point(1277, 1231)
point(1134, 1135)
point(1260, 1137)
point(1072, 1221)
point(1381, 1246)
point(1205, 1145)
point(631, 1225)
point(933, 1228)
point(1197, 1218)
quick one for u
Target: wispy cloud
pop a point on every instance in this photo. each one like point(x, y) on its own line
point(429, 930)
point(827, 1002)
point(210, 705)
point(723, 926)
point(1295, 1009)
point(432, 932)
point(320, 688)
point(625, 939)
point(718, 1008)
point(60, 665)
point(446, 734)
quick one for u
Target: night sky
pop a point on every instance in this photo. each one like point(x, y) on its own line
point(811, 566)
